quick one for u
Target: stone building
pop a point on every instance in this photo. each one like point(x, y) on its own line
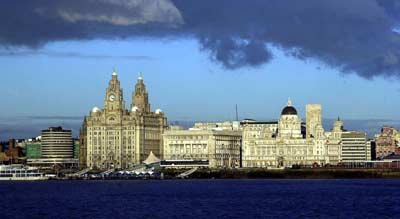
point(220, 147)
point(114, 137)
point(387, 142)
point(227, 125)
point(334, 142)
point(13, 154)
point(289, 141)
point(314, 119)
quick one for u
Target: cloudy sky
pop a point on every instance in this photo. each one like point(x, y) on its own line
point(199, 58)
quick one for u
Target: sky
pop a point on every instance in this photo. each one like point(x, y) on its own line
point(198, 59)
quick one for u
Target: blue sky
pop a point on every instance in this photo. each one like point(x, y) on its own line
point(185, 83)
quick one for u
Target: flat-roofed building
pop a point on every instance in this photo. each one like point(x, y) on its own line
point(227, 125)
point(355, 147)
point(57, 143)
point(33, 150)
point(221, 148)
point(57, 149)
point(76, 148)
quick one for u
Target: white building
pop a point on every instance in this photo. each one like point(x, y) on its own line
point(355, 147)
point(220, 147)
point(289, 141)
point(227, 125)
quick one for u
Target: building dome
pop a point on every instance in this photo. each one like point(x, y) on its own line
point(158, 111)
point(95, 109)
point(134, 109)
point(289, 109)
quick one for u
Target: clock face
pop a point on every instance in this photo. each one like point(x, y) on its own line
point(112, 98)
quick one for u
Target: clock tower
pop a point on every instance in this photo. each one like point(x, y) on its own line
point(114, 137)
point(114, 96)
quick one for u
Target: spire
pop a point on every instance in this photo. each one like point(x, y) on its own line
point(114, 72)
point(140, 76)
point(338, 118)
point(289, 102)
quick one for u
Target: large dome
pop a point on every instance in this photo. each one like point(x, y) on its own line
point(289, 110)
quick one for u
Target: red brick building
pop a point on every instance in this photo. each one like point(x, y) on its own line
point(13, 154)
point(387, 142)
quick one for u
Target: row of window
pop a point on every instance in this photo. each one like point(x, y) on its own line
point(111, 128)
point(190, 137)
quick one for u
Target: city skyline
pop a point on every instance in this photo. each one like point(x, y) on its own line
point(127, 103)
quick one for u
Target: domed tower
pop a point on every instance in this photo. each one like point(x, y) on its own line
point(114, 100)
point(114, 137)
point(289, 124)
point(140, 97)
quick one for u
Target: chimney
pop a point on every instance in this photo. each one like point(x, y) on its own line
point(11, 144)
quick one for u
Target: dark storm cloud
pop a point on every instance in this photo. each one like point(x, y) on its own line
point(55, 54)
point(353, 36)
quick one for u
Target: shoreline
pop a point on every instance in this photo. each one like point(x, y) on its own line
point(246, 174)
point(290, 174)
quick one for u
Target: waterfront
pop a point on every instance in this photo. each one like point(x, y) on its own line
point(202, 199)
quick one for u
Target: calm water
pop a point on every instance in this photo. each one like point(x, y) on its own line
point(202, 199)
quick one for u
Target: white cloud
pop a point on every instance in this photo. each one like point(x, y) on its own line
point(133, 12)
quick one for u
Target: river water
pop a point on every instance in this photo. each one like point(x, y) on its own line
point(201, 199)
